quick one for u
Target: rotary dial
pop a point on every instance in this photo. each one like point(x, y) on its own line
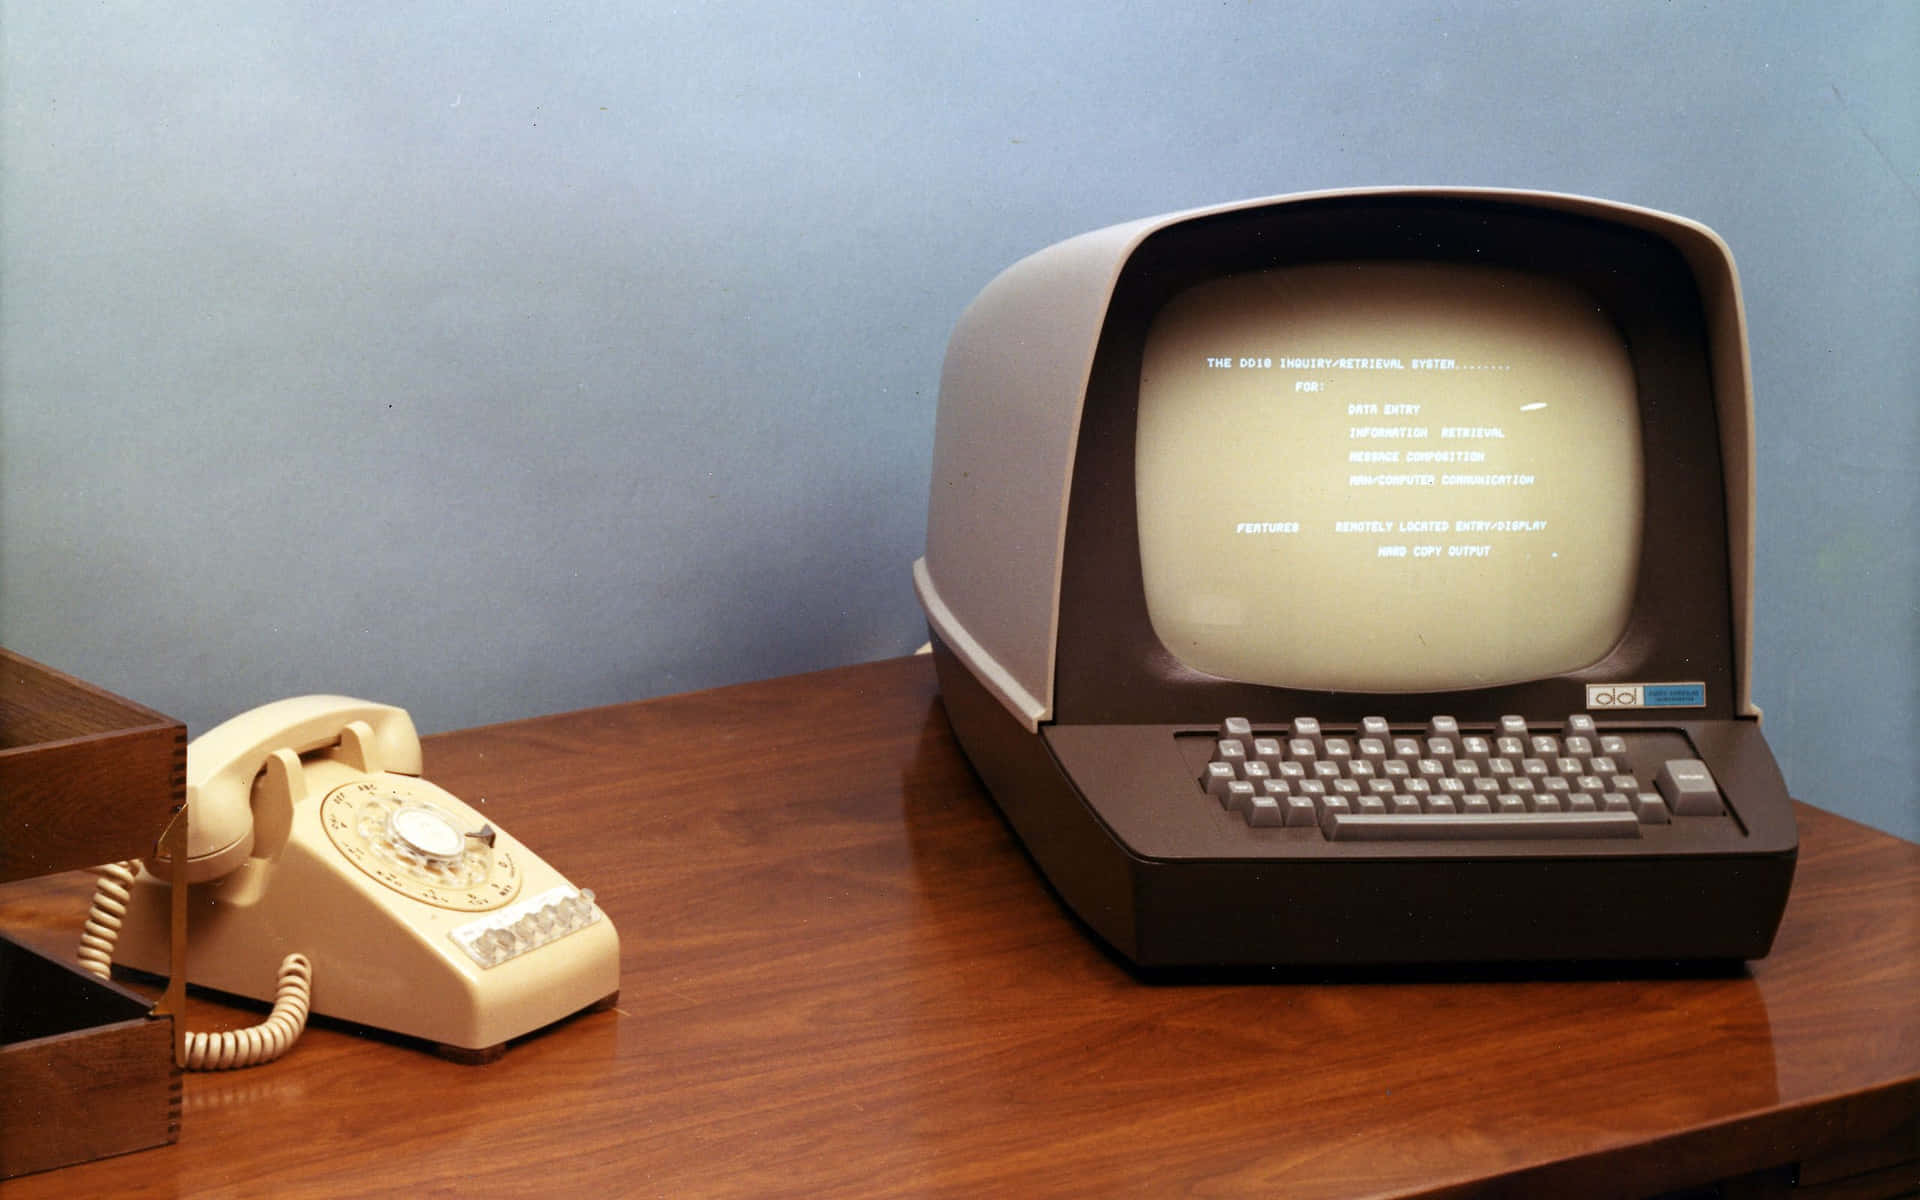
point(414, 838)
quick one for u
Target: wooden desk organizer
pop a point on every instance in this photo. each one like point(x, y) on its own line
point(85, 778)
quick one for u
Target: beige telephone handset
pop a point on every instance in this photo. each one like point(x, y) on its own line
point(311, 834)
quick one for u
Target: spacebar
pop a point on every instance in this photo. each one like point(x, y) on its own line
point(1454, 827)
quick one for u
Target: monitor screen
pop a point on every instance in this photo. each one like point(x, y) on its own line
point(1387, 476)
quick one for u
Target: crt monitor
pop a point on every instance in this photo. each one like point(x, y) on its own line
point(1459, 443)
point(1218, 495)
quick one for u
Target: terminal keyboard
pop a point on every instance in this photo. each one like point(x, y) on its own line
point(1513, 780)
point(1284, 841)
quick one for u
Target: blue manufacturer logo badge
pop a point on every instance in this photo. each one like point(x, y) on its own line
point(1674, 695)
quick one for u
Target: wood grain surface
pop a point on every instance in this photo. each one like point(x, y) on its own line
point(842, 977)
point(84, 774)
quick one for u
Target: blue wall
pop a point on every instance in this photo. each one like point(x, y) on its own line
point(496, 361)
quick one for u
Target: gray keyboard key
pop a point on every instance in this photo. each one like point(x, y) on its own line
point(1263, 810)
point(1300, 811)
point(1688, 788)
point(1353, 827)
point(1615, 747)
point(1238, 796)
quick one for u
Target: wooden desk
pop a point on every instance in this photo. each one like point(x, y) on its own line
point(842, 978)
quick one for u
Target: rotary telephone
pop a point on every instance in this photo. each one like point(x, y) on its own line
point(312, 843)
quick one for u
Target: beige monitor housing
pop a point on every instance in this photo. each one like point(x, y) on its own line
point(1013, 398)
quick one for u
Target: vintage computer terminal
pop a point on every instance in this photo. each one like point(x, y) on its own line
point(1364, 578)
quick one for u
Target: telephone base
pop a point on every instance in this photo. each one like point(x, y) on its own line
point(468, 1056)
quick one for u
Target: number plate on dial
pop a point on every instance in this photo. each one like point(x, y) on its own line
point(402, 832)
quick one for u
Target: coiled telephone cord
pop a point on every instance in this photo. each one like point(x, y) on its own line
point(110, 895)
point(219, 1051)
